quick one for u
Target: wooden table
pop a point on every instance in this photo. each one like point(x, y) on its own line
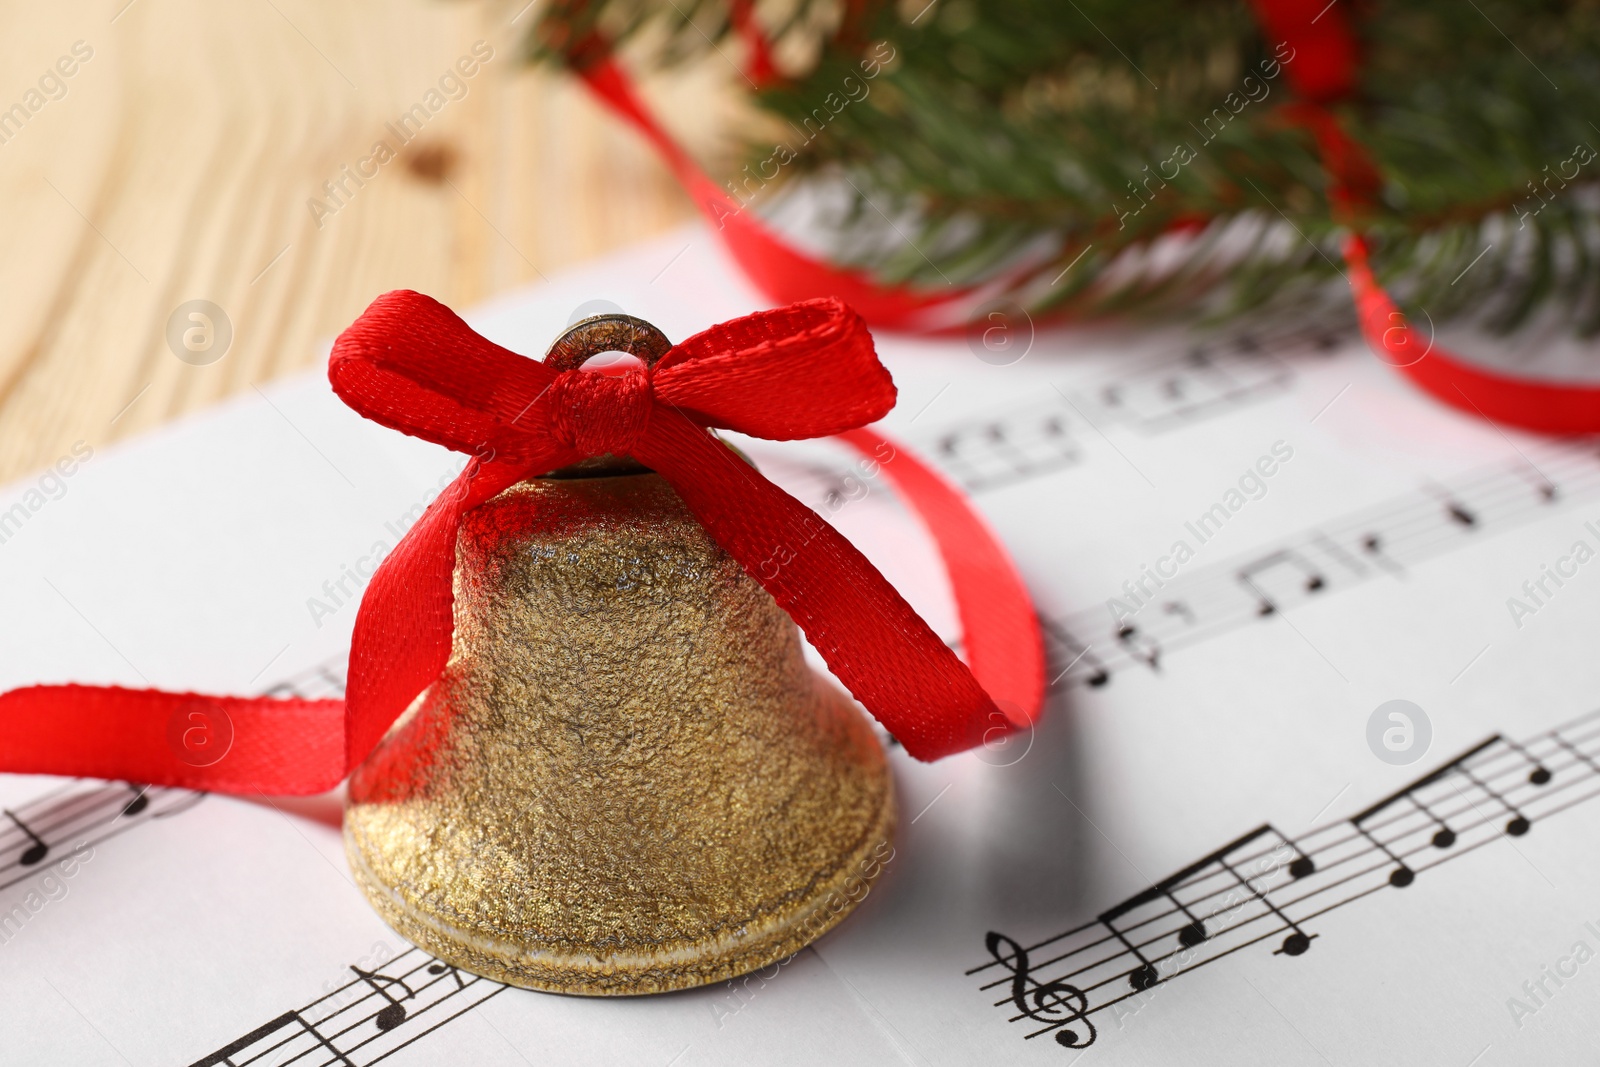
point(164, 151)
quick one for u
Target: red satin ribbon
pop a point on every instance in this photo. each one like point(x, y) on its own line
point(1323, 72)
point(1000, 630)
point(807, 370)
point(777, 268)
point(1544, 407)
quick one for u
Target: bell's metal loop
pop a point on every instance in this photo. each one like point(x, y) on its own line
point(589, 337)
point(607, 333)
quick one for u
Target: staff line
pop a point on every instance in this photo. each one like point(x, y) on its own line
point(1561, 776)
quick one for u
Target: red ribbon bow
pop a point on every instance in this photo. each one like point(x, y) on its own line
point(807, 370)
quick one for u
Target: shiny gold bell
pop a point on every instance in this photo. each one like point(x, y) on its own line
point(626, 780)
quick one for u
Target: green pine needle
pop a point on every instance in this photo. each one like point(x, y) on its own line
point(1004, 138)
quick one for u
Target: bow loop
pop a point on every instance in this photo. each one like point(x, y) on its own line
point(411, 364)
point(806, 370)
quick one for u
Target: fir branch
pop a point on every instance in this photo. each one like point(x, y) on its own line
point(1004, 127)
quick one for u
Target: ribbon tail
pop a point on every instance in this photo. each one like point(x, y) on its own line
point(249, 745)
point(1322, 67)
point(404, 628)
point(871, 639)
point(218, 744)
point(999, 627)
point(776, 266)
point(1526, 403)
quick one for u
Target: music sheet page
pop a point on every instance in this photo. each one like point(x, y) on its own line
point(1313, 784)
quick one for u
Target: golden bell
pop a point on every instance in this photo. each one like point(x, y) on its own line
point(626, 779)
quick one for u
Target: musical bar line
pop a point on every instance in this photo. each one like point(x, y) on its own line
point(368, 1019)
point(1265, 886)
point(1091, 645)
point(85, 812)
point(80, 813)
point(378, 1012)
point(1201, 380)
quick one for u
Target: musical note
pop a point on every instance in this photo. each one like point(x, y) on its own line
point(36, 851)
point(1540, 774)
point(1205, 911)
point(1009, 448)
point(1302, 866)
point(1202, 603)
point(1240, 895)
point(1180, 609)
point(139, 802)
point(1519, 823)
point(1310, 578)
point(1204, 380)
point(1144, 975)
point(1195, 931)
point(1372, 545)
point(1190, 934)
point(1401, 875)
point(1074, 652)
point(435, 993)
point(1516, 826)
point(82, 813)
point(1459, 514)
point(1129, 636)
point(394, 1013)
point(1178, 388)
point(1058, 1004)
point(1443, 837)
point(1249, 891)
point(223, 1057)
point(438, 968)
point(1542, 485)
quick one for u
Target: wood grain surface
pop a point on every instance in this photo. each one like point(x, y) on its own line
point(185, 156)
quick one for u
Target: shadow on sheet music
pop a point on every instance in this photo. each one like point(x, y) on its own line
point(325, 808)
point(988, 833)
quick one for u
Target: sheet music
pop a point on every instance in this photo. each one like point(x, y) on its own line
point(1196, 857)
point(1264, 885)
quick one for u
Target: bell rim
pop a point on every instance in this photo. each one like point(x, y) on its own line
point(604, 973)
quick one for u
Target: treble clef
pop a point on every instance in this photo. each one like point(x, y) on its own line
point(1056, 1002)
